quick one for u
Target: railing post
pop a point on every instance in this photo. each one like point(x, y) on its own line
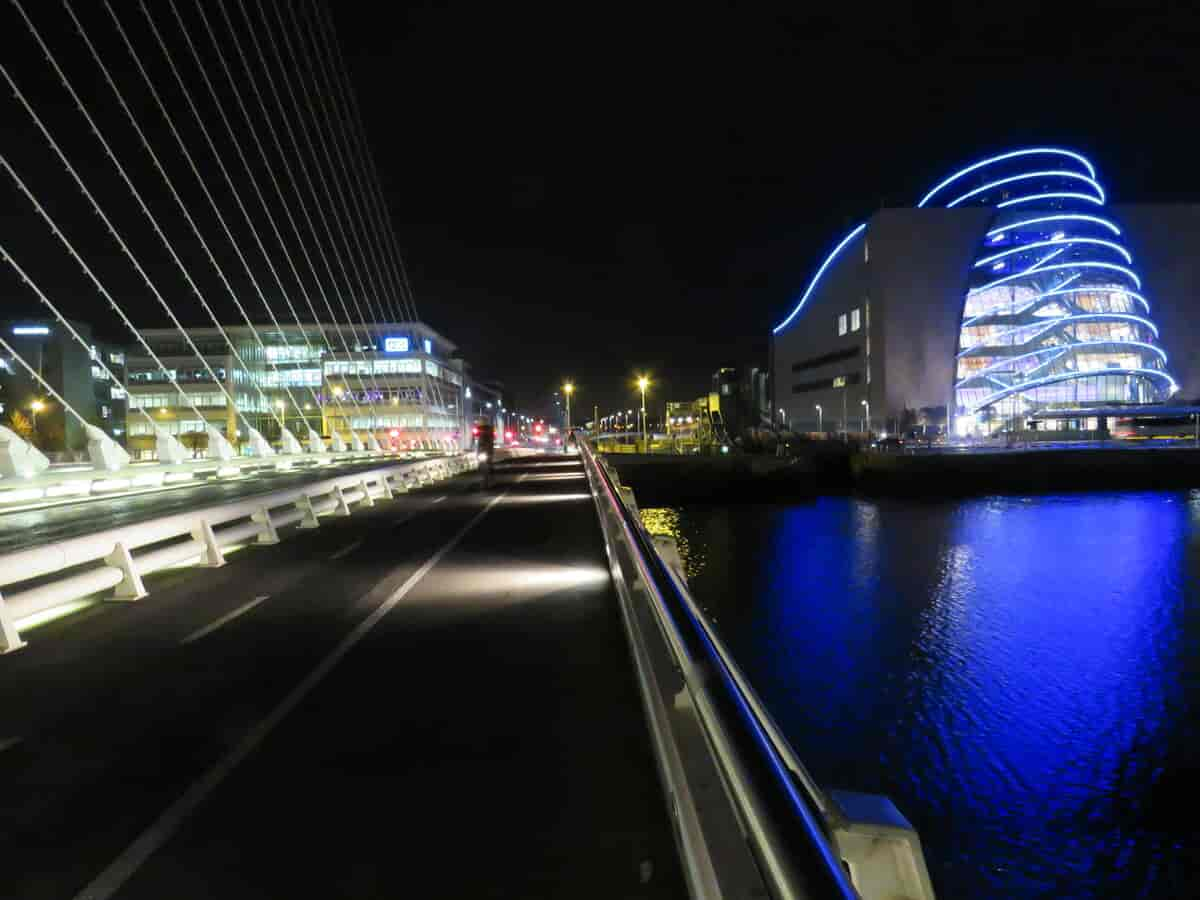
point(343, 508)
point(367, 500)
point(310, 520)
point(130, 587)
point(385, 486)
point(212, 555)
point(268, 535)
point(10, 640)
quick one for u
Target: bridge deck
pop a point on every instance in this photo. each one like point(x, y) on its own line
point(481, 738)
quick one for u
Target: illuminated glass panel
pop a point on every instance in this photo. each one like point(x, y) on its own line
point(1054, 313)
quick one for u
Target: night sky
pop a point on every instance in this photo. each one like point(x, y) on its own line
point(649, 247)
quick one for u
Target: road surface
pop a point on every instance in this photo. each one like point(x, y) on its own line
point(431, 698)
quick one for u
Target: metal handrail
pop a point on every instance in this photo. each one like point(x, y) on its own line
point(787, 826)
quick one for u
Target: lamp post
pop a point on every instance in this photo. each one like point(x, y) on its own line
point(643, 382)
point(568, 389)
point(867, 406)
point(820, 419)
point(36, 407)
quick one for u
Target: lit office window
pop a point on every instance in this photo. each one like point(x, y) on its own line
point(842, 324)
point(855, 319)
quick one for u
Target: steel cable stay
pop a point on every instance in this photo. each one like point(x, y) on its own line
point(387, 232)
point(278, 187)
point(163, 437)
point(182, 207)
point(328, 157)
point(250, 173)
point(121, 242)
point(344, 128)
point(300, 157)
point(237, 199)
point(137, 60)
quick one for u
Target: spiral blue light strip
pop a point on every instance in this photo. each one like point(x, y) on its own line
point(1102, 351)
point(1107, 354)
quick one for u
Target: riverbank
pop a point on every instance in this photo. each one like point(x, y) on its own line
point(831, 470)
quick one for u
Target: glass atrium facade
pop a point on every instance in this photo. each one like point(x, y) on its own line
point(1054, 314)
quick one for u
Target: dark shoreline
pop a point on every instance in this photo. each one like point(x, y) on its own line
point(669, 480)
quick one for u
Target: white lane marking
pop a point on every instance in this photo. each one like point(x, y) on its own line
point(228, 617)
point(5, 743)
point(438, 500)
point(120, 870)
point(348, 549)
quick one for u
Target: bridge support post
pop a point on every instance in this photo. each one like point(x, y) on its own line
point(130, 587)
point(212, 555)
point(367, 499)
point(309, 515)
point(342, 508)
point(385, 486)
point(268, 534)
point(10, 640)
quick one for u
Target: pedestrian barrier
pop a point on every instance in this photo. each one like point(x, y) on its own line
point(772, 830)
point(41, 578)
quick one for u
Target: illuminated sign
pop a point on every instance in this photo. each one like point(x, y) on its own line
point(31, 329)
point(395, 345)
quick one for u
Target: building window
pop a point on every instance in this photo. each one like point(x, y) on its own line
point(842, 324)
point(117, 359)
point(855, 319)
point(839, 381)
point(105, 412)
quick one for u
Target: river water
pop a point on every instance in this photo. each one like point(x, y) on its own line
point(1021, 675)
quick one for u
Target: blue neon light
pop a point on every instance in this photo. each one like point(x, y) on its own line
point(1070, 265)
point(1066, 240)
point(817, 277)
point(1056, 173)
point(1031, 151)
point(998, 233)
point(1068, 376)
point(1053, 195)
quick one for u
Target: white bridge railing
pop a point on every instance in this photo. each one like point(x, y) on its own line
point(40, 578)
point(84, 480)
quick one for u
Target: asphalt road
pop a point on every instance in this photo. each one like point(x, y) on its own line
point(431, 698)
point(55, 523)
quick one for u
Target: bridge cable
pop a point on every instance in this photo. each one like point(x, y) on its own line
point(266, 161)
point(96, 206)
point(292, 179)
point(297, 67)
point(398, 270)
point(179, 202)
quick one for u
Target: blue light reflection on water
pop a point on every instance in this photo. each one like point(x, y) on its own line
point(1021, 675)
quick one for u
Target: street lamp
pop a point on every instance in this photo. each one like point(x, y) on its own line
point(820, 419)
point(36, 407)
point(643, 382)
point(568, 389)
point(868, 409)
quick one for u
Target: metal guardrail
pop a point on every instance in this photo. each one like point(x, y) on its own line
point(40, 578)
point(804, 842)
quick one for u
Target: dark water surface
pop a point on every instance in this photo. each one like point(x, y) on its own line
point(1021, 675)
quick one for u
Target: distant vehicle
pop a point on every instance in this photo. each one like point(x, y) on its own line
point(1164, 428)
point(886, 444)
